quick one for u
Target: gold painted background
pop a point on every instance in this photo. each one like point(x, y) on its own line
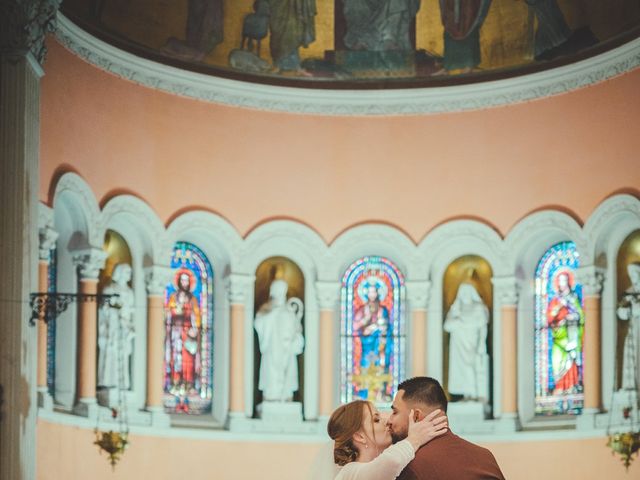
point(477, 271)
point(117, 252)
point(506, 36)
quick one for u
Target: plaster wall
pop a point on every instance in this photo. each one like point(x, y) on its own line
point(570, 151)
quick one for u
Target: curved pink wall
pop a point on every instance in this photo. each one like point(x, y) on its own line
point(571, 151)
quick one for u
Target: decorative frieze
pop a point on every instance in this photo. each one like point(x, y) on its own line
point(25, 24)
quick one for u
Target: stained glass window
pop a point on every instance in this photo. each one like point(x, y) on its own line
point(372, 330)
point(52, 274)
point(188, 308)
point(559, 327)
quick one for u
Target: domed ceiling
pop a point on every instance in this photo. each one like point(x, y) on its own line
point(360, 43)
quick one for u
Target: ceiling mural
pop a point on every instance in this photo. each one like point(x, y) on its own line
point(362, 42)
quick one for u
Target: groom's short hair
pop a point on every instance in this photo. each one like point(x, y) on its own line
point(425, 390)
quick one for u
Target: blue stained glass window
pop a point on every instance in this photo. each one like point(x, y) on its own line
point(188, 306)
point(372, 330)
point(559, 327)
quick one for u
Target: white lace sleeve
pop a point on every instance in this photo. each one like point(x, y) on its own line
point(387, 466)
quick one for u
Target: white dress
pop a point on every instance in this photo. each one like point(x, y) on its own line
point(386, 466)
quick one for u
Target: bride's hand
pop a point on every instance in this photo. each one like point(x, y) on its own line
point(430, 427)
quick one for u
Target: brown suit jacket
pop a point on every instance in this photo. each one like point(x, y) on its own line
point(449, 457)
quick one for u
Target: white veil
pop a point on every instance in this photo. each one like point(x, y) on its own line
point(322, 467)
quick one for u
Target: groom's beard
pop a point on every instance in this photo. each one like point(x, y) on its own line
point(397, 437)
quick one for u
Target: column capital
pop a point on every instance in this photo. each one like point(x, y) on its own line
point(418, 293)
point(238, 286)
point(47, 240)
point(328, 294)
point(506, 290)
point(89, 261)
point(24, 26)
point(157, 277)
point(592, 279)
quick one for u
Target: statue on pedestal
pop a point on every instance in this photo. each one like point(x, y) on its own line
point(467, 322)
point(278, 324)
point(379, 25)
point(629, 311)
point(116, 330)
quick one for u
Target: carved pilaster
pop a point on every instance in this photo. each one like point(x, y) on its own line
point(157, 278)
point(47, 237)
point(418, 294)
point(238, 287)
point(89, 262)
point(25, 24)
point(328, 294)
point(506, 290)
point(592, 279)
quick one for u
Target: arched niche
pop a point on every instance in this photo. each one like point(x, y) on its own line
point(477, 271)
point(628, 254)
point(273, 268)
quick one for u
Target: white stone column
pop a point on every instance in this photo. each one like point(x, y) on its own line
point(89, 263)
point(328, 300)
point(47, 238)
point(592, 279)
point(238, 288)
point(418, 299)
point(506, 299)
point(22, 28)
point(157, 277)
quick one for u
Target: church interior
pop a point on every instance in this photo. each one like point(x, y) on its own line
point(222, 220)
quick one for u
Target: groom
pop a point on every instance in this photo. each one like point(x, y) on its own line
point(449, 456)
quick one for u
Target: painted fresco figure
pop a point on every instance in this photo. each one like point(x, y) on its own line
point(278, 324)
point(371, 326)
point(467, 323)
point(629, 311)
point(552, 30)
point(565, 318)
point(292, 25)
point(379, 25)
point(116, 330)
point(204, 30)
point(462, 20)
point(183, 322)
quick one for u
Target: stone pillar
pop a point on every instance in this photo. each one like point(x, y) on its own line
point(157, 277)
point(238, 287)
point(47, 237)
point(418, 299)
point(506, 294)
point(89, 263)
point(591, 279)
point(22, 28)
point(328, 296)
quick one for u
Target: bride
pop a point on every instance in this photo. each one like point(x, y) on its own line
point(362, 442)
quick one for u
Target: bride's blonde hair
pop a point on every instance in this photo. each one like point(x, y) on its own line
point(345, 421)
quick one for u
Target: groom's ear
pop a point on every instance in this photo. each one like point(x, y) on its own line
point(417, 415)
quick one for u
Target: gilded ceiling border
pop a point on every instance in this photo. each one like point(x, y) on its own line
point(414, 101)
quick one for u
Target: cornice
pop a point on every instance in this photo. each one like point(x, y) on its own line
point(414, 101)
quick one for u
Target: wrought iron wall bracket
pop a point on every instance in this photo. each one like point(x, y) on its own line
point(48, 306)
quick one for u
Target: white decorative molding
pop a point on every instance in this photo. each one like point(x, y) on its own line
point(89, 262)
point(46, 233)
point(610, 216)
point(239, 286)
point(505, 290)
point(418, 294)
point(412, 101)
point(592, 279)
point(77, 197)
point(328, 294)
point(156, 278)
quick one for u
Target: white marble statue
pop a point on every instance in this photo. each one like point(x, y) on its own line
point(467, 322)
point(116, 330)
point(279, 327)
point(629, 310)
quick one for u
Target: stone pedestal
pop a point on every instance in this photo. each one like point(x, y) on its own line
point(469, 417)
point(280, 412)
